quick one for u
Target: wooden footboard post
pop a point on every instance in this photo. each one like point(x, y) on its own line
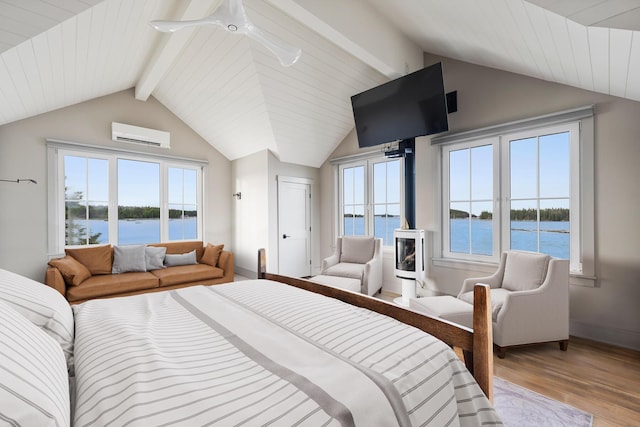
point(483, 339)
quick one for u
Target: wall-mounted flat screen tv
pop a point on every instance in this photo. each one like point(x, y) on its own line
point(407, 107)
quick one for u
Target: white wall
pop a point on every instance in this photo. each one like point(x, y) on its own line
point(250, 214)
point(607, 312)
point(256, 215)
point(23, 217)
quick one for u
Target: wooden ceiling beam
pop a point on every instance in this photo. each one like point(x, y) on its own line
point(170, 45)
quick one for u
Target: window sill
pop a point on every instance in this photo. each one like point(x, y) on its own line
point(575, 279)
point(578, 279)
point(459, 264)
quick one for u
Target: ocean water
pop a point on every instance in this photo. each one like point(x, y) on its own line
point(554, 235)
point(145, 230)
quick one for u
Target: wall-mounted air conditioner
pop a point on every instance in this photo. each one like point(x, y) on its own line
point(139, 135)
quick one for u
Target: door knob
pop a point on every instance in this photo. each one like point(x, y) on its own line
point(284, 236)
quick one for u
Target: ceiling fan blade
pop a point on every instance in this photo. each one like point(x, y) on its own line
point(231, 16)
point(172, 26)
point(286, 54)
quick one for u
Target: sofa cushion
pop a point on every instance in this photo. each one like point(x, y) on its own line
point(98, 259)
point(524, 271)
point(345, 269)
point(129, 258)
point(111, 284)
point(73, 272)
point(189, 258)
point(211, 255)
point(187, 273)
point(154, 257)
point(358, 250)
point(183, 247)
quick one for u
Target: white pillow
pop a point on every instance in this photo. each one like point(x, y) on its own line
point(34, 386)
point(189, 258)
point(128, 258)
point(43, 306)
point(154, 257)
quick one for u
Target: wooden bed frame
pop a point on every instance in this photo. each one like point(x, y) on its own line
point(476, 344)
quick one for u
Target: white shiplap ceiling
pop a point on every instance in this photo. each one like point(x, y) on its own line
point(236, 95)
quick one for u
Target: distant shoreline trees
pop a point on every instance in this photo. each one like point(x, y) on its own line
point(550, 214)
point(77, 210)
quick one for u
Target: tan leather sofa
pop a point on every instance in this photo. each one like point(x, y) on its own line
point(86, 273)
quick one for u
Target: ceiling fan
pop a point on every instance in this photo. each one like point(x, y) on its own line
point(231, 16)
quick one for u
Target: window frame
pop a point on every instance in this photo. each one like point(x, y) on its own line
point(446, 252)
point(583, 271)
point(574, 177)
point(368, 160)
point(57, 150)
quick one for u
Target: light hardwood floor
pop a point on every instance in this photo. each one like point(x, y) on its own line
point(598, 378)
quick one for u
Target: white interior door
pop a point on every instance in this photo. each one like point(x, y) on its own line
point(294, 228)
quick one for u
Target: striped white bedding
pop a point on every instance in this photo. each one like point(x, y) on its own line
point(263, 353)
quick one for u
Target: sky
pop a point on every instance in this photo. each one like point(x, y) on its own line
point(138, 182)
point(471, 174)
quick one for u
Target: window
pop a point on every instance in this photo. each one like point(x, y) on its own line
point(354, 221)
point(138, 202)
point(86, 200)
point(505, 188)
point(539, 203)
point(369, 198)
point(470, 225)
point(183, 203)
point(103, 196)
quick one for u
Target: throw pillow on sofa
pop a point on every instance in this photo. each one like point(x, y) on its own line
point(154, 257)
point(129, 258)
point(211, 255)
point(72, 271)
point(97, 259)
point(171, 260)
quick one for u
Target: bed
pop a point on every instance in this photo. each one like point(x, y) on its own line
point(257, 352)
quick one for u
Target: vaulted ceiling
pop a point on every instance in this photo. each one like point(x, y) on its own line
point(237, 96)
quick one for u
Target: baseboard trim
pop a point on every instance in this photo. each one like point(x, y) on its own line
point(618, 337)
point(245, 272)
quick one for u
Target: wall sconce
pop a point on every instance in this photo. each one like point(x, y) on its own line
point(17, 181)
point(237, 195)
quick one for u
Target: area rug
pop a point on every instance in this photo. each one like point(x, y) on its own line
point(518, 406)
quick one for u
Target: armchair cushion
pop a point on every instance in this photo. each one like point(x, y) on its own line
point(524, 271)
point(498, 296)
point(346, 269)
point(358, 250)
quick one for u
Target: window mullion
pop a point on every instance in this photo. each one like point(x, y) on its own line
point(164, 205)
point(113, 199)
point(368, 198)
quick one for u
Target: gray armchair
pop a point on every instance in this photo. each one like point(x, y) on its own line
point(358, 258)
point(529, 299)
